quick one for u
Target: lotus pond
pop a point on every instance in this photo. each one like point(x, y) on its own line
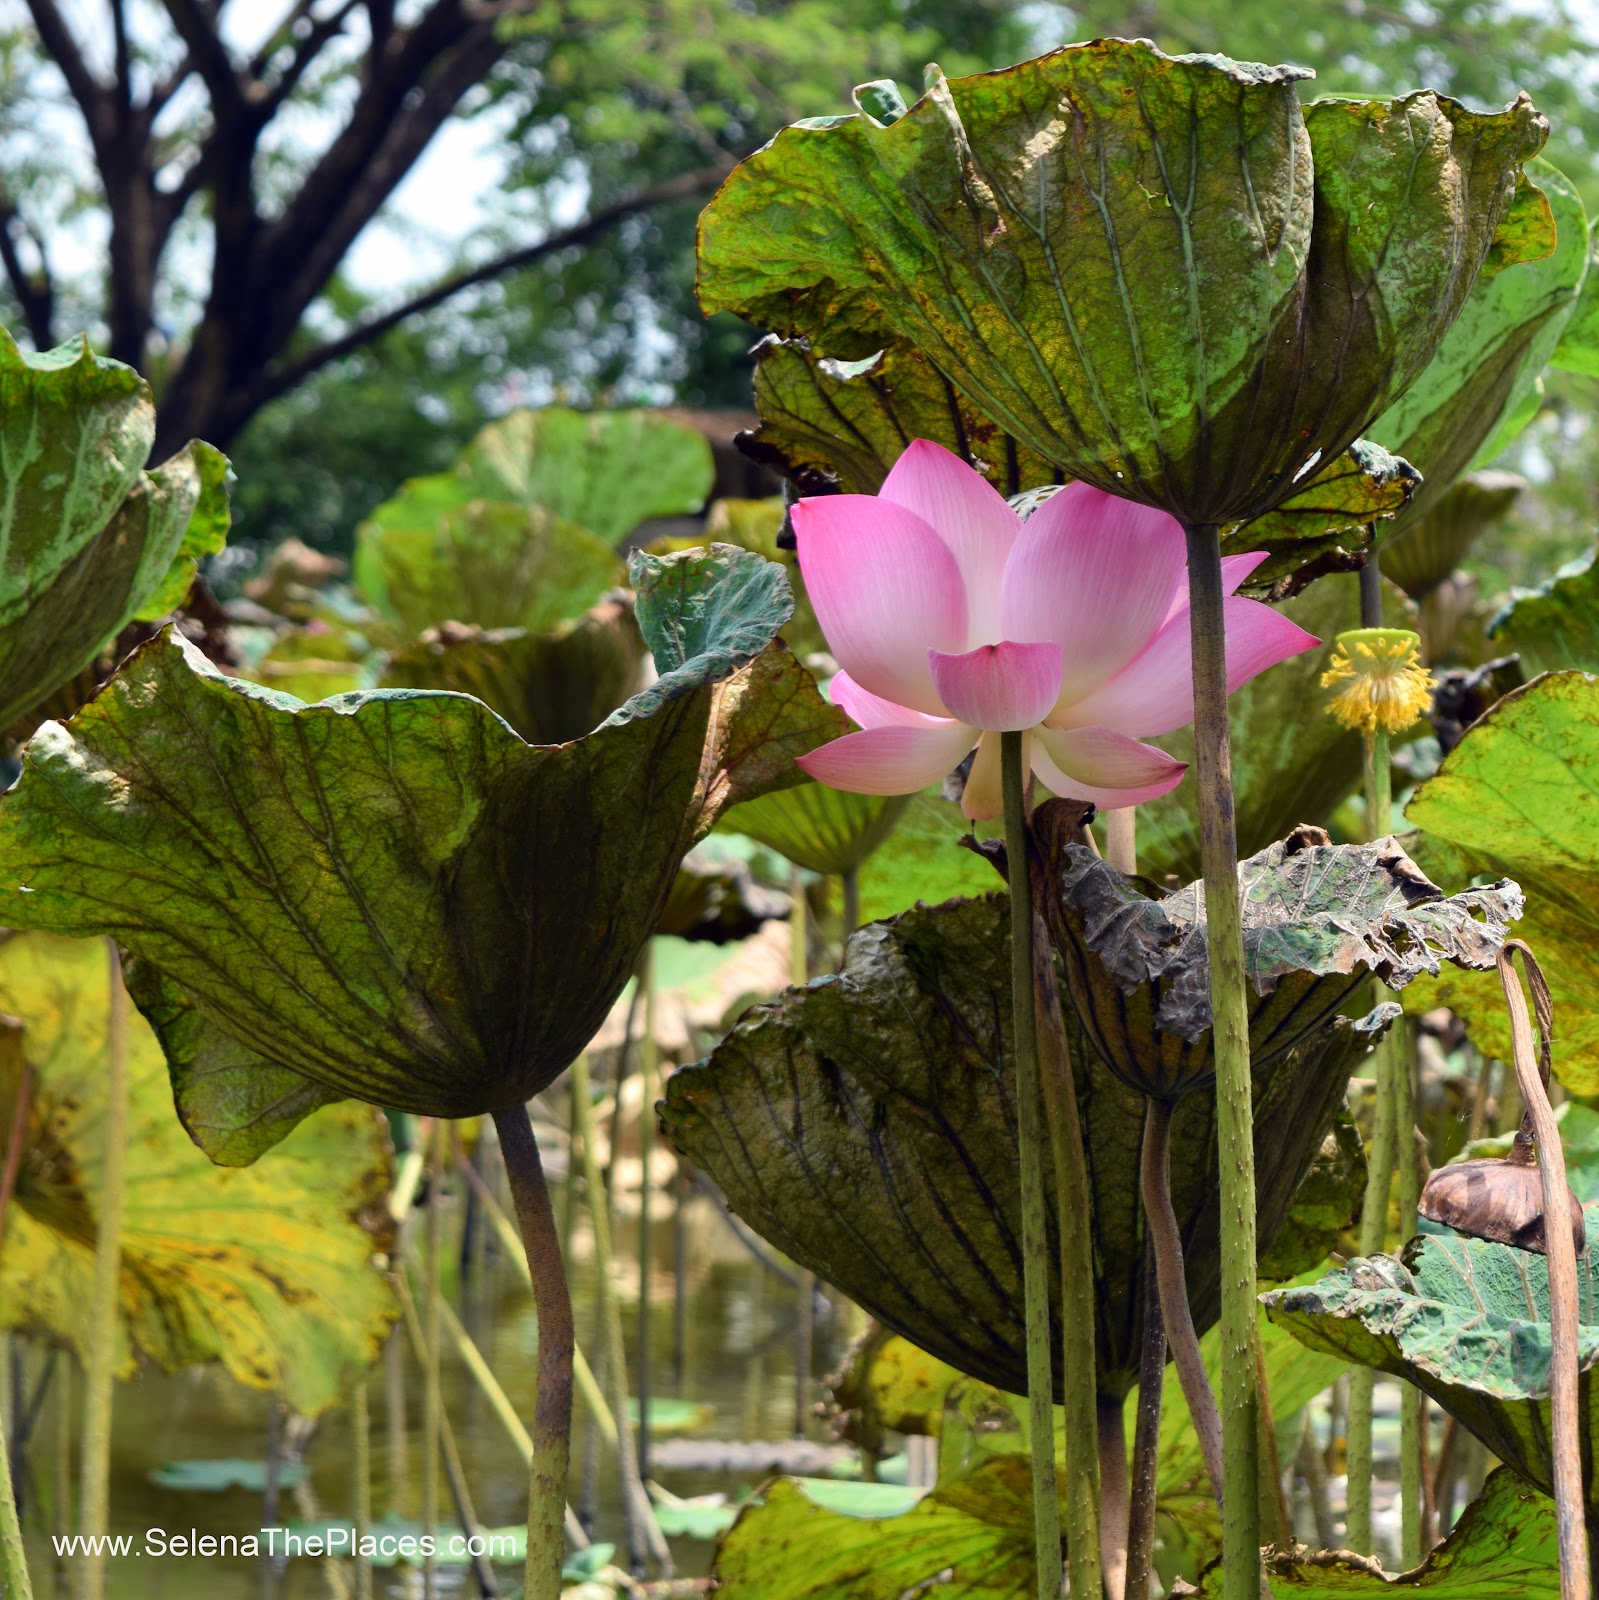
point(961, 1027)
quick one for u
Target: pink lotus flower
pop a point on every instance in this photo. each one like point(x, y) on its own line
point(953, 621)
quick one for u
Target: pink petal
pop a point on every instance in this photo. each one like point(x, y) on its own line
point(889, 760)
point(1234, 569)
point(984, 795)
point(873, 711)
point(1101, 765)
point(886, 591)
point(1154, 693)
point(1006, 686)
point(968, 514)
point(1095, 573)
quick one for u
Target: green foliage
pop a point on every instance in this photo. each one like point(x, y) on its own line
point(1466, 1321)
point(391, 894)
point(268, 1272)
point(1320, 921)
point(820, 829)
point(1515, 798)
point(90, 539)
point(1141, 352)
point(1503, 1548)
point(1555, 625)
point(865, 1126)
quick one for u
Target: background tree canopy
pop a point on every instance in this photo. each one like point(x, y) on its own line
point(214, 161)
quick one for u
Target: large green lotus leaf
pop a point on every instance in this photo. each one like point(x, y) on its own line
point(923, 860)
point(1428, 548)
point(865, 1126)
point(1515, 798)
point(1159, 273)
point(972, 1538)
point(1474, 394)
point(1320, 922)
point(1466, 1321)
point(843, 424)
point(1578, 350)
point(391, 893)
point(607, 470)
point(1291, 762)
point(488, 563)
point(1557, 624)
point(270, 1272)
point(313, 661)
point(551, 687)
point(88, 539)
point(821, 829)
point(1504, 1547)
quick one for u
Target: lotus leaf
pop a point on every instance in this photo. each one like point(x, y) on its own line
point(91, 540)
point(820, 829)
point(1429, 547)
point(1320, 921)
point(269, 1272)
point(1555, 625)
point(1467, 1322)
point(865, 1126)
point(1516, 796)
point(1146, 269)
point(391, 894)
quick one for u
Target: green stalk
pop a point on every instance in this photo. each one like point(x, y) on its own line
point(1146, 1440)
point(1035, 1238)
point(432, 1403)
point(799, 974)
point(637, 1503)
point(361, 1472)
point(1078, 1303)
point(552, 1302)
point(14, 1582)
point(1235, 1132)
point(94, 1494)
point(649, 1064)
point(1402, 1069)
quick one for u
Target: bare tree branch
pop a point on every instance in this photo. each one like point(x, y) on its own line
point(64, 50)
point(322, 30)
point(34, 291)
point(283, 376)
point(123, 58)
point(197, 27)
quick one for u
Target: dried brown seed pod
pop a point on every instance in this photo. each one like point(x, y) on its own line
point(1497, 1198)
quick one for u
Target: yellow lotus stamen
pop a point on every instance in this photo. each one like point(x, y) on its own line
point(1380, 680)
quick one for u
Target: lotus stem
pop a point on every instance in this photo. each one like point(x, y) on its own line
point(15, 1138)
point(1564, 1331)
point(432, 1403)
point(14, 1579)
point(1171, 1279)
point(799, 974)
point(552, 1301)
point(1121, 839)
point(1115, 1510)
point(94, 1493)
point(1312, 1470)
point(1373, 1235)
point(1035, 1238)
point(1079, 1303)
point(394, 1421)
point(649, 1065)
point(1371, 586)
point(361, 1485)
point(640, 1514)
point(1412, 1435)
point(1274, 1498)
point(1146, 1438)
point(1229, 1006)
point(61, 1472)
point(851, 887)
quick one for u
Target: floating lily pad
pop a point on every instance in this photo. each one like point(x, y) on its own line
point(1467, 1322)
point(391, 894)
point(269, 1272)
point(865, 1126)
point(92, 541)
point(216, 1477)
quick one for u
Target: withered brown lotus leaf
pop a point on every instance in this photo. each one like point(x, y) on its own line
point(1497, 1198)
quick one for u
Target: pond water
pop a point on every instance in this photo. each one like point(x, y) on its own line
point(736, 1360)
